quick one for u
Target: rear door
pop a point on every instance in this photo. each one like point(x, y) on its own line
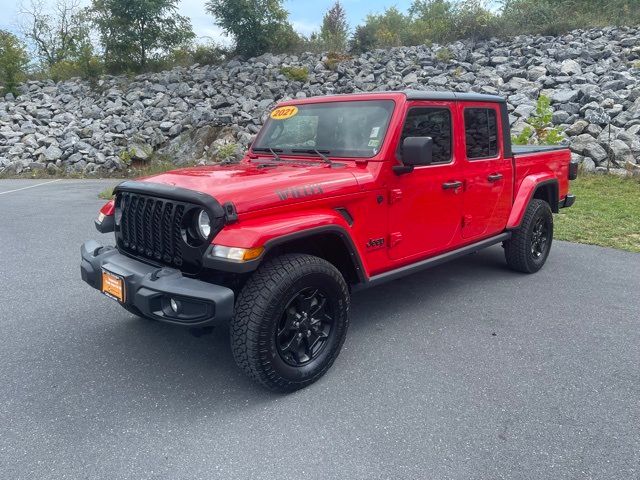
point(426, 204)
point(488, 176)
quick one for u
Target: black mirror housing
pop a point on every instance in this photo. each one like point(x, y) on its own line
point(417, 151)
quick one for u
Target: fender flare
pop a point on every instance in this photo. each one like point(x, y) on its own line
point(525, 193)
point(336, 230)
point(326, 224)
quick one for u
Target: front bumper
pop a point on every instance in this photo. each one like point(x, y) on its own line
point(150, 289)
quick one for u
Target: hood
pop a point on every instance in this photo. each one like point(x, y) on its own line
point(253, 187)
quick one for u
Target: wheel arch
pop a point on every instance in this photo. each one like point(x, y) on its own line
point(548, 191)
point(545, 188)
point(331, 242)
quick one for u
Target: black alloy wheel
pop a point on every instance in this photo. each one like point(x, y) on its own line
point(305, 327)
point(540, 238)
point(529, 246)
point(290, 322)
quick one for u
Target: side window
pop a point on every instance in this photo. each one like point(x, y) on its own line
point(434, 123)
point(481, 132)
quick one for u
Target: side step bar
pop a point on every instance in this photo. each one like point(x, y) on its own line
point(433, 261)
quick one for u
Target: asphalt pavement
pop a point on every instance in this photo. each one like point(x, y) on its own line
point(465, 371)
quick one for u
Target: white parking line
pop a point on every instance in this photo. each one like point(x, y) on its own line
point(31, 186)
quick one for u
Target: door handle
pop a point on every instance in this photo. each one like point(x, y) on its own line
point(494, 177)
point(452, 185)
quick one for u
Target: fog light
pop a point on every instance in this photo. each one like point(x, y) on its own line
point(175, 305)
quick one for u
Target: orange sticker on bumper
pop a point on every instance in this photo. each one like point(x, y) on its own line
point(113, 286)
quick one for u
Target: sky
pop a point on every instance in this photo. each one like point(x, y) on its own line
point(305, 15)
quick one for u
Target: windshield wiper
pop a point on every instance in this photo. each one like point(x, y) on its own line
point(276, 157)
point(321, 153)
point(272, 151)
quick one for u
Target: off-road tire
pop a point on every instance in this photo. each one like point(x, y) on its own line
point(519, 249)
point(260, 311)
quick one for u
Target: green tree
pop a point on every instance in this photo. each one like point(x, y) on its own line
point(363, 39)
point(257, 26)
point(134, 32)
point(540, 129)
point(553, 17)
point(443, 21)
point(432, 21)
point(474, 20)
point(82, 59)
point(57, 34)
point(13, 62)
point(390, 28)
point(533, 16)
point(335, 30)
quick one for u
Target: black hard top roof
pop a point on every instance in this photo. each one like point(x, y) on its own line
point(442, 96)
point(451, 96)
point(411, 95)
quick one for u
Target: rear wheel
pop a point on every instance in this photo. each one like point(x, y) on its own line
point(530, 244)
point(291, 321)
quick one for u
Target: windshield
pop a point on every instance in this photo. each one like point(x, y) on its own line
point(341, 129)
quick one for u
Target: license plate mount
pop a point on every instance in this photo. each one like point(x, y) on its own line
point(113, 286)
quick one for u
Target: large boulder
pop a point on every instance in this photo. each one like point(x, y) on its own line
point(564, 96)
point(620, 152)
point(570, 67)
point(580, 143)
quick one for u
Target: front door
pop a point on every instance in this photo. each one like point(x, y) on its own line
point(487, 174)
point(426, 204)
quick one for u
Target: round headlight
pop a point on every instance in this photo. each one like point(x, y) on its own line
point(204, 224)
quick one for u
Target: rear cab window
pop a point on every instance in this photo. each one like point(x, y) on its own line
point(481, 133)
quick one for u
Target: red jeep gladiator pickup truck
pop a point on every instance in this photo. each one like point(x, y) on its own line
point(336, 194)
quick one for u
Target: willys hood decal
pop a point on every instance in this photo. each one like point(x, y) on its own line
point(253, 186)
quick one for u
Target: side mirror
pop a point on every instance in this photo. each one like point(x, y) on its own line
point(416, 151)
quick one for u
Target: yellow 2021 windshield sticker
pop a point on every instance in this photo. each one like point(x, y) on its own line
point(283, 113)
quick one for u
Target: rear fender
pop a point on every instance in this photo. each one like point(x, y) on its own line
point(526, 192)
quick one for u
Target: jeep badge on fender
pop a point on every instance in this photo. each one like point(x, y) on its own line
point(375, 243)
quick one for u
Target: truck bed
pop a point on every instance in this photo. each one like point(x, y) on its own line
point(526, 149)
point(548, 161)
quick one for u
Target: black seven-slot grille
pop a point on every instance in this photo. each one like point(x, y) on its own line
point(151, 227)
point(158, 223)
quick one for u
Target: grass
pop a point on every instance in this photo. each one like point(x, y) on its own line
point(334, 59)
point(444, 55)
point(606, 213)
point(106, 194)
point(299, 74)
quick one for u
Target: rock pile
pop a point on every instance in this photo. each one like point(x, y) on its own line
point(210, 113)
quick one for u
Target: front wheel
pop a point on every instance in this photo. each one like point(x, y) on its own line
point(291, 321)
point(530, 244)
